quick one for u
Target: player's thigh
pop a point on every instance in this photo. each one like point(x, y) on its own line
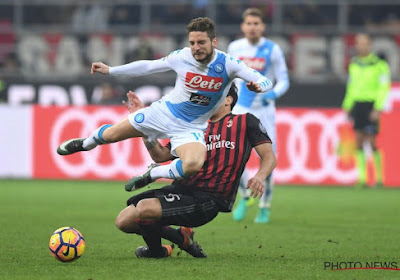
point(151, 121)
point(188, 145)
point(144, 195)
point(149, 209)
point(371, 139)
point(121, 131)
point(187, 210)
point(360, 137)
point(190, 152)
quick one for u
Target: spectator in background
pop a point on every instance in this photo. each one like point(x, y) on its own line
point(267, 7)
point(200, 7)
point(174, 13)
point(7, 43)
point(107, 95)
point(91, 17)
point(306, 13)
point(10, 64)
point(230, 13)
point(125, 14)
point(143, 51)
point(367, 89)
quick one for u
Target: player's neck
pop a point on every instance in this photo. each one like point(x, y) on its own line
point(362, 55)
point(254, 41)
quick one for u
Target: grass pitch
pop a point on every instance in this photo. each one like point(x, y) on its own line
point(309, 226)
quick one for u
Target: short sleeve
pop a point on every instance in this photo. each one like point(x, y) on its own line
point(256, 131)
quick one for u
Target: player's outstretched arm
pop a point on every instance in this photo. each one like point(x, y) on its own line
point(267, 164)
point(100, 67)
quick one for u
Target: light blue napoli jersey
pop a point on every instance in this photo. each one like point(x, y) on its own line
point(267, 58)
point(200, 88)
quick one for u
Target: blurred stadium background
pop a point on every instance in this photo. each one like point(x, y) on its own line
point(46, 48)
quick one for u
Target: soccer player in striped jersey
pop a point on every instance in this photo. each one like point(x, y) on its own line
point(266, 57)
point(197, 200)
point(204, 76)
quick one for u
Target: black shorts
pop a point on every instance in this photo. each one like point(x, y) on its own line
point(181, 207)
point(361, 116)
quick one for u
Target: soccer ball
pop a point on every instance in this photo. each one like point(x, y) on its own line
point(67, 244)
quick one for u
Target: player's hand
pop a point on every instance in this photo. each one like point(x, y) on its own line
point(253, 86)
point(256, 187)
point(374, 116)
point(100, 67)
point(133, 103)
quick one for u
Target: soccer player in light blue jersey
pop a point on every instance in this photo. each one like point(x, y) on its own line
point(204, 77)
point(266, 57)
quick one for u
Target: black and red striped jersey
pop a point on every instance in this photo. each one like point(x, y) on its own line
point(229, 142)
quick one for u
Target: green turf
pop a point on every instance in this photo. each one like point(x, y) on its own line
point(309, 226)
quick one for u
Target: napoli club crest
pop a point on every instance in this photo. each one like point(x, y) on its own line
point(139, 118)
point(219, 68)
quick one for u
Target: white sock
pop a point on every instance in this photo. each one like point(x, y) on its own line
point(172, 171)
point(96, 138)
point(244, 193)
point(265, 200)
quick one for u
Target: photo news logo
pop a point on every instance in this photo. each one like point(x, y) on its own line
point(390, 265)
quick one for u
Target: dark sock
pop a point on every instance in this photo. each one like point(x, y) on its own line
point(172, 235)
point(151, 233)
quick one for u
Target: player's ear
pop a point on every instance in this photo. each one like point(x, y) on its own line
point(228, 100)
point(214, 42)
point(264, 27)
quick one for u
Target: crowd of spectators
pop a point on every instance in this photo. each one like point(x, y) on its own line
point(99, 15)
point(102, 16)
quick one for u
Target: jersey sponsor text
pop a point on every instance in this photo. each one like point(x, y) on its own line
point(215, 142)
point(257, 63)
point(204, 83)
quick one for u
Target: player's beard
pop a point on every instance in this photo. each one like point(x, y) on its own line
point(207, 58)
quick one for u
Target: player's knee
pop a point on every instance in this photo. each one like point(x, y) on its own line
point(124, 224)
point(192, 166)
point(125, 221)
point(120, 223)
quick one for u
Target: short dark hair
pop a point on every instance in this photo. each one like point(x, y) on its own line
point(252, 12)
point(233, 93)
point(202, 24)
